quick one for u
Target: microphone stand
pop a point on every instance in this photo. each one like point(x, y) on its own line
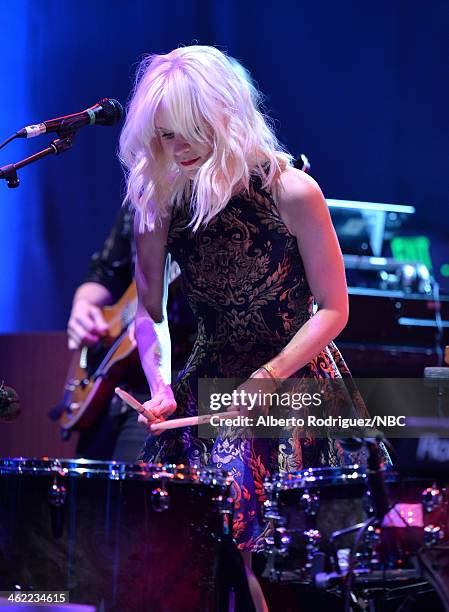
point(9, 172)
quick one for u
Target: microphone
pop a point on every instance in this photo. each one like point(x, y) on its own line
point(9, 404)
point(106, 112)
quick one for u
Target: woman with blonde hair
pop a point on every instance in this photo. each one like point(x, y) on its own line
point(253, 237)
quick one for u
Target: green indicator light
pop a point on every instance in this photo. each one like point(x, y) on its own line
point(444, 269)
point(412, 248)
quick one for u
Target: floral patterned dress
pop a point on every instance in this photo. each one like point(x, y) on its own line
point(245, 282)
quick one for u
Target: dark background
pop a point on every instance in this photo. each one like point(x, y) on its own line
point(361, 87)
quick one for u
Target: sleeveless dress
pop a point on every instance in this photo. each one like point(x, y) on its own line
point(245, 282)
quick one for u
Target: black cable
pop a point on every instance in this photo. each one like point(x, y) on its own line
point(351, 564)
point(5, 142)
point(357, 540)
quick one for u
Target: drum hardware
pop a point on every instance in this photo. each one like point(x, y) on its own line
point(114, 473)
point(431, 498)
point(57, 495)
point(313, 539)
point(371, 579)
point(347, 586)
point(225, 506)
point(385, 543)
point(278, 543)
point(366, 561)
point(376, 479)
point(368, 504)
point(372, 574)
point(310, 503)
point(271, 510)
point(160, 499)
point(365, 556)
point(433, 535)
point(281, 541)
point(210, 477)
point(368, 555)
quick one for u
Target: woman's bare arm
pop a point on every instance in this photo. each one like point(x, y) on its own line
point(306, 215)
point(152, 334)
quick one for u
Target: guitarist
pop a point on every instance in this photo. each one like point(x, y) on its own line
point(115, 435)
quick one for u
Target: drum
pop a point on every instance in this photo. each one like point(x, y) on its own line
point(121, 537)
point(305, 509)
point(316, 515)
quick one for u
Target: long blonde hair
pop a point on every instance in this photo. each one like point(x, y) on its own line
point(208, 97)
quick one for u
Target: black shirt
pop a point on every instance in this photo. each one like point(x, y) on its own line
point(113, 266)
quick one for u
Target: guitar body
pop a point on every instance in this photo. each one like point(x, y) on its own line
point(95, 372)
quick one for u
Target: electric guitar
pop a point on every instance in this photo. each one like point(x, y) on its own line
point(95, 371)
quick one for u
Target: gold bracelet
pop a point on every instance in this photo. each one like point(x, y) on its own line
point(271, 372)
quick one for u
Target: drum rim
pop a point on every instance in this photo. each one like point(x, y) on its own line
point(318, 477)
point(114, 470)
point(332, 476)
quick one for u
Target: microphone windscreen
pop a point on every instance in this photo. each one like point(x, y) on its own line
point(111, 112)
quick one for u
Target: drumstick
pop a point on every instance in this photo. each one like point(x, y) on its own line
point(191, 421)
point(173, 423)
point(133, 403)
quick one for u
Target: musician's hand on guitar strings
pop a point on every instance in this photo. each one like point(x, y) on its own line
point(86, 325)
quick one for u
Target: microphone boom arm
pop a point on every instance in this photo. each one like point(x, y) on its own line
point(58, 146)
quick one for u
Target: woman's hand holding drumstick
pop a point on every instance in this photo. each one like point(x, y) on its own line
point(155, 411)
point(157, 424)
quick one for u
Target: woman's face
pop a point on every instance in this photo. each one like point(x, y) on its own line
point(186, 155)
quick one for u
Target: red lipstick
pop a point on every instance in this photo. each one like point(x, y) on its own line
point(189, 163)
